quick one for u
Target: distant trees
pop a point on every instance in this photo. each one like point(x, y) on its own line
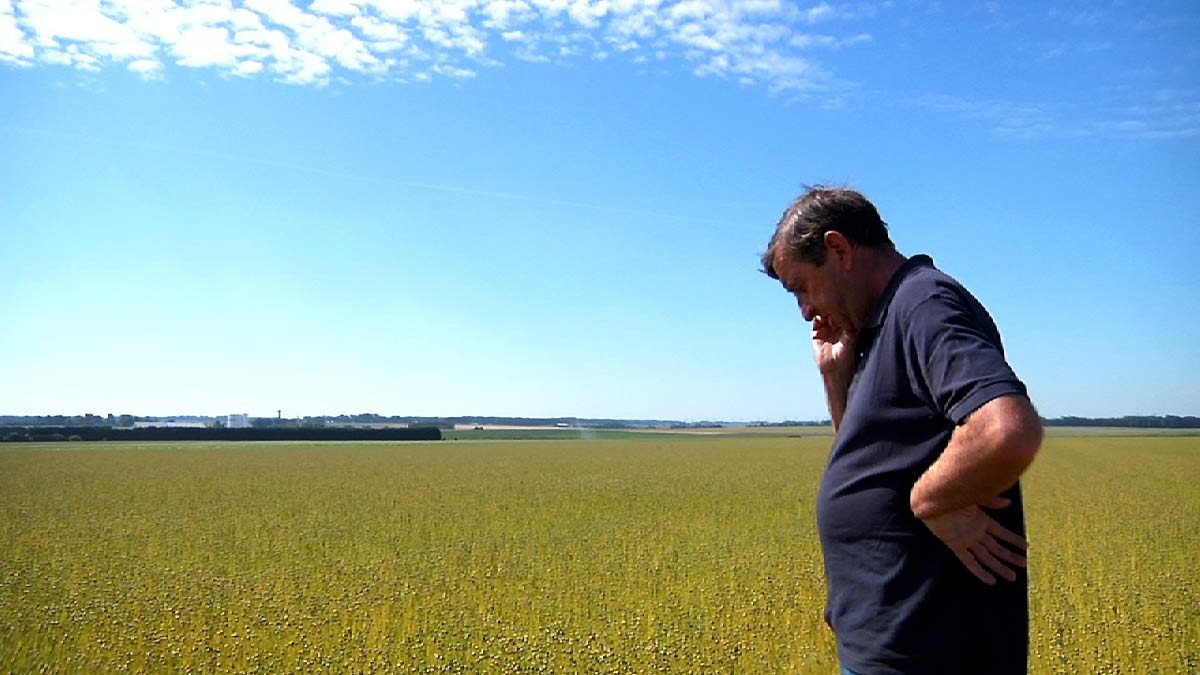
point(1129, 421)
point(88, 420)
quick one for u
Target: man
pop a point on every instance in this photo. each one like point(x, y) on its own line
point(919, 510)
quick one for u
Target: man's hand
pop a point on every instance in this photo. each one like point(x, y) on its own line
point(833, 348)
point(979, 541)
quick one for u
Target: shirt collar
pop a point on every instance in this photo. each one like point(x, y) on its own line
point(885, 300)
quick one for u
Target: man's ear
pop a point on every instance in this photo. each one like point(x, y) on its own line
point(839, 249)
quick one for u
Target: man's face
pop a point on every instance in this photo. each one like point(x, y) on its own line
point(819, 289)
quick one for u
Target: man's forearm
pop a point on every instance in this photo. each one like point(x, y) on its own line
point(986, 455)
point(837, 392)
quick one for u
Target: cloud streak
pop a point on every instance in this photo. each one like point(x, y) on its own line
point(1161, 115)
point(757, 42)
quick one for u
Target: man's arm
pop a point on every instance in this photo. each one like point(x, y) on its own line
point(837, 393)
point(986, 455)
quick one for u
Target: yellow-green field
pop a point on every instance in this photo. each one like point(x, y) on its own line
point(655, 554)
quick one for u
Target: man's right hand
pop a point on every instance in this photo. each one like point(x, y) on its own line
point(833, 348)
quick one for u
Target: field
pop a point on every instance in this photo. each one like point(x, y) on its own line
point(636, 554)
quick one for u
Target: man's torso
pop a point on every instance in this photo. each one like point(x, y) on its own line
point(898, 599)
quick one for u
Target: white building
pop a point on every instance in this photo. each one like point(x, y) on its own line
point(237, 421)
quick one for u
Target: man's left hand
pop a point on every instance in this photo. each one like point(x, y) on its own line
point(979, 541)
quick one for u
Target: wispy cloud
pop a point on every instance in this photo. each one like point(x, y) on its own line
point(1164, 114)
point(764, 42)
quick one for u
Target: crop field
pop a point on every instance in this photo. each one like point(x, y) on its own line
point(636, 555)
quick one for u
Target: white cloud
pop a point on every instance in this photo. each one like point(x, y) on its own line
point(587, 13)
point(54, 57)
point(14, 46)
point(821, 12)
point(162, 21)
point(718, 65)
point(85, 62)
point(634, 26)
point(375, 30)
point(806, 40)
point(759, 41)
point(689, 10)
point(399, 10)
point(247, 68)
point(82, 24)
point(146, 67)
point(316, 35)
point(336, 7)
point(299, 67)
point(692, 34)
point(200, 46)
point(500, 14)
point(529, 55)
point(759, 6)
point(452, 71)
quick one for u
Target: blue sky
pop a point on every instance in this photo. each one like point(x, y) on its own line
point(552, 208)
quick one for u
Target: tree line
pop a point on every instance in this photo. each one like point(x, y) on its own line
point(1132, 421)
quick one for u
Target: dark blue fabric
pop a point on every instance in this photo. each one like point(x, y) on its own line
point(899, 601)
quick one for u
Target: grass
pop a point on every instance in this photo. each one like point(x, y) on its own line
point(654, 554)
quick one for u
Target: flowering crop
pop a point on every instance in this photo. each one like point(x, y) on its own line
point(632, 556)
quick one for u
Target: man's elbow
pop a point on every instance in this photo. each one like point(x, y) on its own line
point(1021, 431)
point(1010, 430)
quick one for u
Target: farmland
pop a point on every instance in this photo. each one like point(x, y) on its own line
point(635, 554)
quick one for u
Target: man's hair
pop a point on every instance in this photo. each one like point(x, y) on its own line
point(801, 231)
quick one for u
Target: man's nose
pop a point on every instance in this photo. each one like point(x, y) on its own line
point(805, 310)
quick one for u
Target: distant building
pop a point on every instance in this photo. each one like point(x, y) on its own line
point(169, 424)
point(238, 421)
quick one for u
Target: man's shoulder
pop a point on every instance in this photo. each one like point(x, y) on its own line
point(924, 283)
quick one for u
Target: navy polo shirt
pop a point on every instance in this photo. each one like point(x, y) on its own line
point(899, 600)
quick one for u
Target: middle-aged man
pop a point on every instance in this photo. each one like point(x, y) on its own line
point(919, 510)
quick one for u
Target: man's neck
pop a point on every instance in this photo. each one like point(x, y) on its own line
point(880, 265)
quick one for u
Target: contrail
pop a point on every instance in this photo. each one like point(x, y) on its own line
point(301, 168)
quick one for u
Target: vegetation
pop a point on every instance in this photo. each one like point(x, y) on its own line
point(660, 554)
point(1134, 421)
point(1114, 528)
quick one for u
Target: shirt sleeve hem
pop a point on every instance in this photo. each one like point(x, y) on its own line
point(993, 390)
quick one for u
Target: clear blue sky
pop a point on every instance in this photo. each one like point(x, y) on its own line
point(537, 208)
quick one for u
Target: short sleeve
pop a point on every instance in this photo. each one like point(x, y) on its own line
point(955, 354)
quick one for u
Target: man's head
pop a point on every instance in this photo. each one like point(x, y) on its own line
point(801, 231)
point(832, 251)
